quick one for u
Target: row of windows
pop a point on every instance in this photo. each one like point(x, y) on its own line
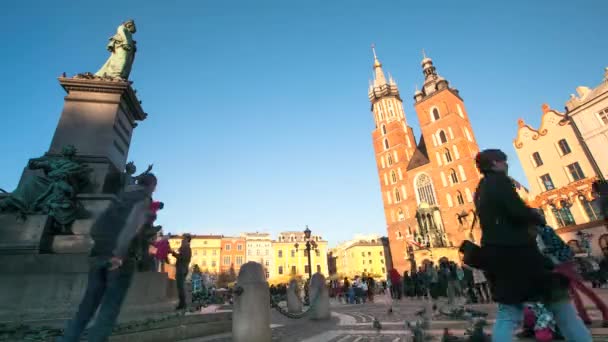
point(446, 155)
point(204, 263)
point(563, 216)
point(369, 254)
point(369, 262)
point(441, 137)
point(258, 252)
point(228, 247)
point(228, 260)
point(459, 198)
point(453, 176)
point(294, 269)
point(575, 173)
point(436, 115)
point(293, 238)
point(203, 252)
point(563, 147)
point(293, 253)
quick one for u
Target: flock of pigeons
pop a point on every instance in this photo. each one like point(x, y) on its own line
point(422, 323)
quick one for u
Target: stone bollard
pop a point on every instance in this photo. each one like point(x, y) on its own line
point(294, 303)
point(251, 312)
point(319, 297)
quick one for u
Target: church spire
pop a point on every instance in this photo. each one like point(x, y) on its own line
point(379, 79)
point(433, 82)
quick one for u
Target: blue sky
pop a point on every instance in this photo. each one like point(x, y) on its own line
point(258, 110)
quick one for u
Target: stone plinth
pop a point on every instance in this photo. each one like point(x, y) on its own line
point(21, 236)
point(251, 312)
point(98, 118)
point(49, 286)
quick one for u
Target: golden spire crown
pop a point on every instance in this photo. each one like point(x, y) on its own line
point(377, 63)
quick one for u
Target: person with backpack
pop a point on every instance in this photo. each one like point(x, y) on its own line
point(112, 264)
point(562, 257)
point(508, 255)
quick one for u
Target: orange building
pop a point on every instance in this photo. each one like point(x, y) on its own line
point(233, 253)
point(427, 185)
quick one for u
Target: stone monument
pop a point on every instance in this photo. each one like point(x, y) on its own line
point(319, 298)
point(294, 302)
point(251, 312)
point(45, 222)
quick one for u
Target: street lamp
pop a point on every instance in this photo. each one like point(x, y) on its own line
point(310, 245)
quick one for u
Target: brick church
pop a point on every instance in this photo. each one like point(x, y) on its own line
point(427, 183)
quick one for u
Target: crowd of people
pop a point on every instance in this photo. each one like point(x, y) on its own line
point(430, 281)
point(521, 264)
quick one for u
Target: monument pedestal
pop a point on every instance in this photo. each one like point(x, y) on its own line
point(98, 118)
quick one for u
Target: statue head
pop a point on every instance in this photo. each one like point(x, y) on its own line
point(69, 151)
point(130, 25)
point(130, 168)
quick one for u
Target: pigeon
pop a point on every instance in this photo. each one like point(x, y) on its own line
point(376, 324)
point(448, 337)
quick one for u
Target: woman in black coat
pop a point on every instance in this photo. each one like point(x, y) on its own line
point(515, 268)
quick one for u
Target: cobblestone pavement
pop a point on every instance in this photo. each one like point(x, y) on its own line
point(353, 323)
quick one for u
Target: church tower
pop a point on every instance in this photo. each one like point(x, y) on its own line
point(451, 149)
point(394, 145)
point(427, 186)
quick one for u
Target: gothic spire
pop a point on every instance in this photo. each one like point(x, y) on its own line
point(379, 78)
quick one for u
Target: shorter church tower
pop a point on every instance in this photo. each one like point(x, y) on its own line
point(451, 149)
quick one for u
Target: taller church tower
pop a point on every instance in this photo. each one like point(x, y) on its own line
point(426, 186)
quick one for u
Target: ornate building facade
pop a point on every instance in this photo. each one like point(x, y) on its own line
point(560, 177)
point(427, 184)
point(589, 111)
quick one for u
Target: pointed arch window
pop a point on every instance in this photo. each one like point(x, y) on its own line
point(435, 112)
point(453, 176)
point(459, 198)
point(393, 177)
point(389, 159)
point(397, 195)
point(400, 215)
point(383, 129)
point(386, 144)
point(424, 188)
point(447, 155)
point(442, 137)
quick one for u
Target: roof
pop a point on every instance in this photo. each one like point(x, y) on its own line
point(420, 156)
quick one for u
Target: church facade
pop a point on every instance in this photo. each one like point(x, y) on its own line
point(427, 183)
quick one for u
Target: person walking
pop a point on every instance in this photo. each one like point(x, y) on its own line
point(181, 269)
point(515, 268)
point(112, 261)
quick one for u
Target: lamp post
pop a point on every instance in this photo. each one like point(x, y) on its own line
point(310, 245)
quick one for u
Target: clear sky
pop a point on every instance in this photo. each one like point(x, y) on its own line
point(258, 110)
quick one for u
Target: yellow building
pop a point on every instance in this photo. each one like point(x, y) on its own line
point(363, 254)
point(206, 250)
point(290, 261)
point(560, 177)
